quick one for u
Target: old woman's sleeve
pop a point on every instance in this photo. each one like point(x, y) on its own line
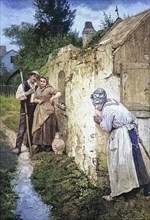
point(107, 120)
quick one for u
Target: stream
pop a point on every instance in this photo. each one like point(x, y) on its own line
point(29, 204)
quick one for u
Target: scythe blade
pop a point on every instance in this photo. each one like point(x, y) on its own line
point(12, 75)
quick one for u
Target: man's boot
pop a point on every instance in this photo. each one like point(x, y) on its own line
point(37, 149)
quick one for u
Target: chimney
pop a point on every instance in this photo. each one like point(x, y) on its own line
point(2, 50)
point(87, 33)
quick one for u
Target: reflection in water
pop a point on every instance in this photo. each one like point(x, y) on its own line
point(29, 204)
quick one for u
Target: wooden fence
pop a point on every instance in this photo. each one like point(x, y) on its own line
point(7, 90)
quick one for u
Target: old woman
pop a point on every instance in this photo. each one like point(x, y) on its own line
point(126, 167)
point(45, 123)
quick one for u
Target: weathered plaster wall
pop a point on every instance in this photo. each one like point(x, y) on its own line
point(144, 131)
point(84, 71)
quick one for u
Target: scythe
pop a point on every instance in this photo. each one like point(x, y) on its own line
point(26, 113)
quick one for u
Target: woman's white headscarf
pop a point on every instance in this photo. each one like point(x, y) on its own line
point(99, 96)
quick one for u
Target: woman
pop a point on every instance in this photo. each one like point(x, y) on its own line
point(126, 167)
point(44, 124)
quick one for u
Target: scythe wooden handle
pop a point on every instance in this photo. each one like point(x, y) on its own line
point(141, 142)
point(27, 120)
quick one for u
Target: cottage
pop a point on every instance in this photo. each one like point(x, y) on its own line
point(120, 63)
point(6, 58)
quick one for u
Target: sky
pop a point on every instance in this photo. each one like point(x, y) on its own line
point(17, 11)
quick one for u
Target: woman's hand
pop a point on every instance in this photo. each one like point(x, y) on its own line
point(51, 100)
point(56, 96)
point(97, 118)
point(38, 101)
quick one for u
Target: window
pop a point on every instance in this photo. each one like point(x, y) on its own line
point(12, 59)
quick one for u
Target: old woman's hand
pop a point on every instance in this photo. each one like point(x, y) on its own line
point(97, 118)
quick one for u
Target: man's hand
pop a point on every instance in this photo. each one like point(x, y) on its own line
point(97, 118)
point(29, 92)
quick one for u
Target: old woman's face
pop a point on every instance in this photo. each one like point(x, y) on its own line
point(98, 107)
point(43, 82)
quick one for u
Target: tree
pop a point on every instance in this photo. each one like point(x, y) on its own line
point(105, 25)
point(53, 17)
point(21, 35)
point(24, 37)
point(36, 42)
point(107, 22)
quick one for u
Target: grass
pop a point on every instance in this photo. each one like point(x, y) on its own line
point(62, 185)
point(9, 108)
point(7, 166)
point(9, 112)
point(7, 105)
point(12, 122)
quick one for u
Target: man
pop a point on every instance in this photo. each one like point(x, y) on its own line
point(25, 96)
point(126, 167)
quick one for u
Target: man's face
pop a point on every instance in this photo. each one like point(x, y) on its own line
point(33, 78)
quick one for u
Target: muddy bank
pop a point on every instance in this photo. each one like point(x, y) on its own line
point(73, 197)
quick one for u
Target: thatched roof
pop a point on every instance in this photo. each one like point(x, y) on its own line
point(122, 29)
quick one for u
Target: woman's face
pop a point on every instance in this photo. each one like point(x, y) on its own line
point(42, 82)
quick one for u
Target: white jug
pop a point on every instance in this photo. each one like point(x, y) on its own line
point(58, 145)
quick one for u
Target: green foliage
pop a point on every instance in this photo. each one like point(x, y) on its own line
point(62, 185)
point(51, 32)
point(21, 35)
point(26, 60)
point(25, 38)
point(106, 24)
point(99, 34)
point(66, 188)
point(7, 197)
point(53, 17)
point(51, 44)
point(37, 58)
point(7, 165)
